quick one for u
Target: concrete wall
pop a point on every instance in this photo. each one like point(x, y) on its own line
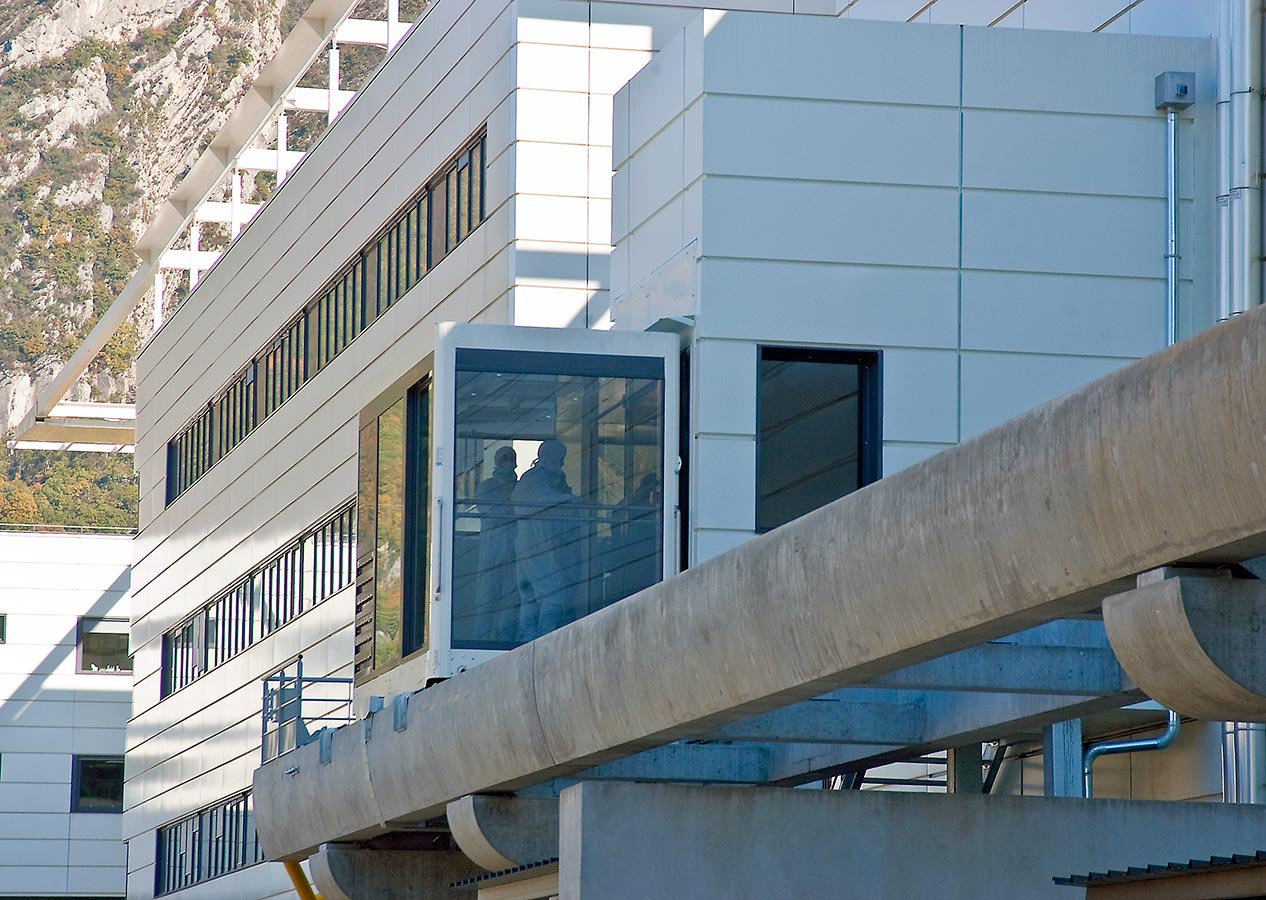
point(970, 202)
point(49, 712)
point(702, 843)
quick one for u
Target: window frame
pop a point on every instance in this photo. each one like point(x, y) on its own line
point(870, 394)
point(80, 632)
point(76, 782)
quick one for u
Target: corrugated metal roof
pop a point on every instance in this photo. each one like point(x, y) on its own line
point(1164, 870)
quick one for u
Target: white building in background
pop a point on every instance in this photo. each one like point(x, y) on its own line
point(854, 244)
point(65, 698)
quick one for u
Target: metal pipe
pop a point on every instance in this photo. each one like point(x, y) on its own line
point(1222, 112)
point(1171, 227)
point(1107, 748)
point(1242, 760)
point(1246, 156)
point(300, 881)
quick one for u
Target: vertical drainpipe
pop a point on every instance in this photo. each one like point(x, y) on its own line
point(1171, 226)
point(1174, 91)
point(1242, 761)
point(1222, 114)
point(1240, 257)
point(1246, 156)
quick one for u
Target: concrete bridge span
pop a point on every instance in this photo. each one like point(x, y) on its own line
point(1162, 462)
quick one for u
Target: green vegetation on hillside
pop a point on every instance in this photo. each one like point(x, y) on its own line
point(68, 489)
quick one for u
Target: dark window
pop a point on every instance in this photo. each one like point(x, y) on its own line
point(207, 844)
point(308, 570)
point(103, 646)
point(96, 784)
point(416, 517)
point(4, 628)
point(818, 429)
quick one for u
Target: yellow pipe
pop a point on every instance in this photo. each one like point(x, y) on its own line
point(300, 881)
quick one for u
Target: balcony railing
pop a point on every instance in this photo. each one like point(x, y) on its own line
point(297, 708)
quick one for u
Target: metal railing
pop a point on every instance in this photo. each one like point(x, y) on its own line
point(293, 702)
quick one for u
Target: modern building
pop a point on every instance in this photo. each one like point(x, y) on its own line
point(577, 297)
point(65, 698)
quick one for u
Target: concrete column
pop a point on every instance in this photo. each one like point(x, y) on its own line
point(394, 30)
point(281, 149)
point(195, 237)
point(963, 773)
point(334, 108)
point(159, 288)
point(235, 204)
point(1061, 759)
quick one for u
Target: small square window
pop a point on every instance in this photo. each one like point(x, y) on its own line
point(103, 646)
point(97, 784)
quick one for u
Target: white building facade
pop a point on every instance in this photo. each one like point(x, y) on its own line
point(64, 706)
point(853, 244)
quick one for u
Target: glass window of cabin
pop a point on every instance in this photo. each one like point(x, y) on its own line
point(558, 494)
point(103, 646)
point(417, 517)
point(389, 553)
point(817, 430)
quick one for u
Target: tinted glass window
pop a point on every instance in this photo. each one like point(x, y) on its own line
point(558, 490)
point(98, 784)
point(817, 434)
point(389, 556)
point(103, 646)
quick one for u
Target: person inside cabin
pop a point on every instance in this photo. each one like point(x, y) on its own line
point(547, 543)
point(496, 587)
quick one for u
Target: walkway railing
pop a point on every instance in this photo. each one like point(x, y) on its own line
point(293, 703)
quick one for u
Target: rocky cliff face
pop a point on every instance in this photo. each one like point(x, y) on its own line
point(104, 104)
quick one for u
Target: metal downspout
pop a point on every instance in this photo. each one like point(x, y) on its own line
point(1107, 748)
point(1222, 112)
point(1242, 760)
point(1171, 226)
point(1246, 156)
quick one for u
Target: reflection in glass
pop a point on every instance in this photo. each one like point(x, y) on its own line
point(816, 430)
point(389, 558)
point(558, 490)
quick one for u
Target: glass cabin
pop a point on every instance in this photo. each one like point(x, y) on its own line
point(528, 481)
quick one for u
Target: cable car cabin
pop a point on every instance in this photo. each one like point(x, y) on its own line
point(527, 481)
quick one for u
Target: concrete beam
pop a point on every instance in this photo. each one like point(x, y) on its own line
point(936, 558)
point(1194, 644)
point(1014, 668)
point(830, 721)
point(688, 763)
point(952, 720)
point(1062, 759)
point(500, 833)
